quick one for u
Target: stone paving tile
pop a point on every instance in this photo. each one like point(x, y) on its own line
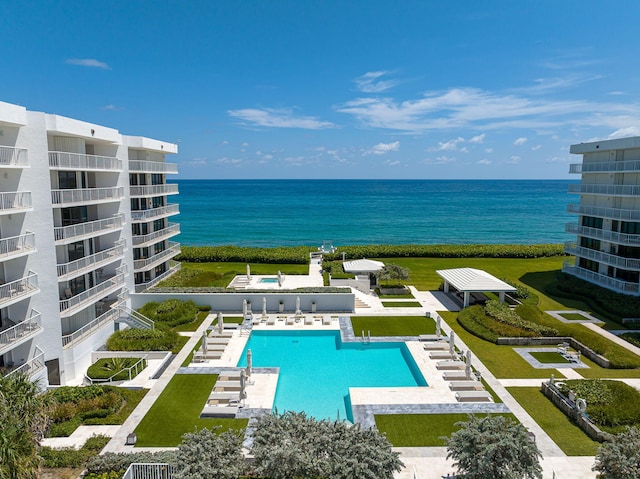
point(525, 353)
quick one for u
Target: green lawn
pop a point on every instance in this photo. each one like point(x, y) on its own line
point(421, 430)
point(573, 316)
point(549, 357)
point(177, 411)
point(564, 433)
point(401, 304)
point(193, 325)
point(393, 325)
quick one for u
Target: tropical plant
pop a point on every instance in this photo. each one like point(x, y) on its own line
point(619, 458)
point(494, 447)
point(205, 454)
point(392, 273)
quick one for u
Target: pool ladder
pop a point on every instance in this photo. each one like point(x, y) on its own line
point(367, 338)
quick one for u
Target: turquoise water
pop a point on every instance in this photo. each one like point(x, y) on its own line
point(268, 280)
point(305, 212)
point(317, 369)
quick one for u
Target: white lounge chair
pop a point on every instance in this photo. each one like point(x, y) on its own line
point(230, 375)
point(437, 346)
point(215, 347)
point(226, 386)
point(290, 320)
point(442, 355)
point(459, 365)
point(308, 320)
point(455, 376)
point(213, 355)
point(219, 411)
point(466, 386)
point(218, 340)
point(224, 395)
point(271, 321)
point(429, 337)
point(473, 396)
point(326, 321)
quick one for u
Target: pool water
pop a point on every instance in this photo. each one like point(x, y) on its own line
point(268, 280)
point(317, 369)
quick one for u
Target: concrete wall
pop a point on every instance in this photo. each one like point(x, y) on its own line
point(578, 346)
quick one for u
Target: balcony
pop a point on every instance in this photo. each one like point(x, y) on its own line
point(601, 279)
point(15, 202)
point(90, 229)
point(19, 333)
point(602, 212)
point(156, 259)
point(168, 232)
point(11, 157)
point(153, 190)
point(86, 196)
point(606, 167)
point(69, 306)
point(34, 367)
point(17, 246)
point(173, 267)
point(144, 216)
point(89, 263)
point(70, 340)
point(60, 160)
point(610, 236)
point(140, 166)
point(18, 290)
point(606, 190)
point(602, 257)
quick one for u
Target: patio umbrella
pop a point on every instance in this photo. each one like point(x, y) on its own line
point(244, 308)
point(243, 384)
point(438, 327)
point(264, 306)
point(452, 342)
point(248, 272)
point(204, 343)
point(279, 278)
point(298, 305)
point(467, 367)
point(220, 324)
point(249, 362)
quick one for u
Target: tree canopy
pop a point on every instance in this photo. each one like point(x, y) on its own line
point(619, 458)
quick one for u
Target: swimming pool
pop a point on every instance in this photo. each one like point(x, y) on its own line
point(268, 280)
point(317, 369)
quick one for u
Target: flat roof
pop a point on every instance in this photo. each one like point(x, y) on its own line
point(362, 266)
point(627, 143)
point(473, 280)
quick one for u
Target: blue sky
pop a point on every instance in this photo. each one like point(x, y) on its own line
point(328, 89)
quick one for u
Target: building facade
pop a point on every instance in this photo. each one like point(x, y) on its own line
point(68, 237)
point(607, 248)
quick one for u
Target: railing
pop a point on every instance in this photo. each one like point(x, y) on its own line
point(148, 215)
point(612, 236)
point(88, 228)
point(138, 318)
point(87, 195)
point(34, 364)
point(149, 471)
point(86, 296)
point(603, 212)
point(612, 190)
point(88, 329)
point(152, 167)
point(601, 279)
point(18, 288)
point(15, 200)
point(28, 327)
point(10, 156)
point(172, 230)
point(97, 259)
point(626, 263)
point(78, 161)
point(132, 371)
point(173, 267)
point(16, 245)
point(123, 297)
point(605, 167)
point(170, 252)
point(153, 190)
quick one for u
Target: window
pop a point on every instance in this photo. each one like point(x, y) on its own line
point(67, 180)
point(76, 250)
point(157, 179)
point(74, 215)
point(133, 179)
point(629, 251)
point(631, 228)
point(159, 224)
point(159, 247)
point(590, 243)
point(589, 264)
point(629, 276)
point(592, 222)
point(158, 201)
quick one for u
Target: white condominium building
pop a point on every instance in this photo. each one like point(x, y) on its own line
point(607, 248)
point(83, 221)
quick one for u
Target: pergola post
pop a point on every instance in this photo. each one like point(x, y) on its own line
point(446, 286)
point(466, 299)
point(501, 296)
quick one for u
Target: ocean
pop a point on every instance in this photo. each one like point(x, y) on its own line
point(269, 213)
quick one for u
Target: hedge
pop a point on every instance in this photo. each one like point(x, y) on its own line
point(211, 254)
point(171, 312)
point(502, 313)
point(71, 457)
point(115, 368)
point(131, 339)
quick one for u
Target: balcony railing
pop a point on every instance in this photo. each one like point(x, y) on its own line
point(17, 245)
point(610, 236)
point(603, 212)
point(86, 196)
point(609, 190)
point(141, 166)
point(91, 262)
point(602, 257)
point(88, 329)
point(22, 330)
point(173, 267)
point(90, 228)
point(19, 289)
point(69, 305)
point(605, 167)
point(172, 230)
point(33, 365)
point(140, 470)
point(601, 279)
point(170, 252)
point(15, 201)
point(13, 157)
point(143, 216)
point(153, 190)
point(60, 160)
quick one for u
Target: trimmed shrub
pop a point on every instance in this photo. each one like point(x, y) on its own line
point(171, 312)
point(239, 254)
point(158, 339)
point(472, 318)
point(70, 457)
point(502, 313)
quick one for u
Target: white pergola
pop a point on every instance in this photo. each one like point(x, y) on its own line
point(362, 266)
point(470, 280)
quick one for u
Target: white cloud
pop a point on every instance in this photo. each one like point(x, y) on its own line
point(367, 83)
point(536, 148)
point(228, 161)
point(392, 162)
point(624, 132)
point(440, 160)
point(477, 139)
point(464, 149)
point(560, 159)
point(488, 150)
point(88, 62)
point(224, 143)
point(197, 162)
point(485, 162)
point(382, 148)
point(244, 145)
point(450, 145)
point(112, 107)
point(514, 160)
point(520, 141)
point(284, 118)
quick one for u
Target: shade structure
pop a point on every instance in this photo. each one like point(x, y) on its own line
point(362, 266)
point(248, 272)
point(204, 342)
point(249, 362)
point(471, 280)
point(220, 324)
point(452, 342)
point(438, 332)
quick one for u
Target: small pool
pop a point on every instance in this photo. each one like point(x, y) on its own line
point(317, 369)
point(268, 280)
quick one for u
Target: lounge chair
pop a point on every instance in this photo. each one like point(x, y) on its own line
point(213, 355)
point(473, 396)
point(224, 395)
point(226, 386)
point(429, 337)
point(215, 347)
point(437, 346)
point(326, 321)
point(466, 386)
point(219, 411)
point(308, 320)
point(455, 376)
point(225, 334)
point(217, 340)
point(291, 320)
point(271, 321)
point(230, 375)
point(441, 355)
point(450, 365)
